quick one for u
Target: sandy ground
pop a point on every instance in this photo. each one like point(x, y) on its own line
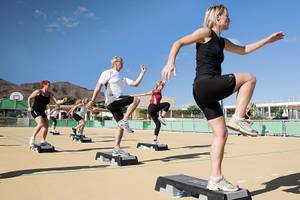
point(269, 167)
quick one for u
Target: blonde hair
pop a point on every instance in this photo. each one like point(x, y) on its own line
point(78, 101)
point(212, 14)
point(160, 82)
point(115, 59)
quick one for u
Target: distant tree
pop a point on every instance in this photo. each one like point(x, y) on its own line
point(143, 111)
point(194, 110)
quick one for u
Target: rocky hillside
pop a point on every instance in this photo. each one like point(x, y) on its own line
point(58, 88)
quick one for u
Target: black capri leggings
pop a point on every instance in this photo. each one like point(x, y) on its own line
point(54, 121)
point(153, 110)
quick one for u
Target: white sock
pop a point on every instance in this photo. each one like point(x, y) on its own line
point(215, 178)
point(237, 118)
point(31, 140)
point(43, 141)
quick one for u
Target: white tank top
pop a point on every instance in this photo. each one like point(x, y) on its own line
point(82, 111)
point(55, 114)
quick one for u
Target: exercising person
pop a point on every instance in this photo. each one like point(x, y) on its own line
point(53, 117)
point(156, 109)
point(210, 86)
point(78, 112)
point(116, 101)
point(41, 99)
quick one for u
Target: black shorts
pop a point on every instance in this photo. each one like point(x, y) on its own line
point(36, 113)
point(54, 120)
point(208, 91)
point(116, 107)
point(77, 117)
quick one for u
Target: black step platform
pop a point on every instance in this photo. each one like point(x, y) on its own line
point(42, 148)
point(116, 160)
point(81, 138)
point(177, 185)
point(54, 132)
point(150, 146)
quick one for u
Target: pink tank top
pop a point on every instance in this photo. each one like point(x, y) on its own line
point(156, 97)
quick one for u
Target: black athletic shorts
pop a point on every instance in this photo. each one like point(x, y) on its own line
point(116, 107)
point(36, 113)
point(77, 117)
point(208, 91)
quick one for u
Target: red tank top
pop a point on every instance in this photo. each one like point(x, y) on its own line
point(156, 97)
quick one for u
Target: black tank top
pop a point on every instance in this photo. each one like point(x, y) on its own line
point(41, 102)
point(209, 56)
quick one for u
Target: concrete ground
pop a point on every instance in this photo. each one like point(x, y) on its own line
point(269, 167)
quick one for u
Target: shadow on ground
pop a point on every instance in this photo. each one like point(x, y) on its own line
point(87, 149)
point(17, 173)
point(9, 145)
point(291, 180)
point(192, 147)
point(178, 157)
point(112, 140)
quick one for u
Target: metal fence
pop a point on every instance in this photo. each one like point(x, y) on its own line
point(265, 127)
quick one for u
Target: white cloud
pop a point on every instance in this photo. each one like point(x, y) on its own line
point(235, 41)
point(68, 21)
point(53, 27)
point(65, 22)
point(82, 11)
point(39, 13)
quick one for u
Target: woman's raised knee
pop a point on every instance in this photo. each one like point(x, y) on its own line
point(252, 78)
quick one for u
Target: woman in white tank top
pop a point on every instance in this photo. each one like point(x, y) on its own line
point(79, 115)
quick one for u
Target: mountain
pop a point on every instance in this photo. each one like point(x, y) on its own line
point(59, 89)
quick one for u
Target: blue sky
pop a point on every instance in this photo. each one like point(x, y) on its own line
point(74, 41)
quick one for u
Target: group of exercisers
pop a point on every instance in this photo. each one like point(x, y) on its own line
point(209, 87)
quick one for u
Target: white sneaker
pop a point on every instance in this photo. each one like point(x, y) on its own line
point(31, 142)
point(119, 152)
point(242, 126)
point(221, 184)
point(162, 120)
point(124, 125)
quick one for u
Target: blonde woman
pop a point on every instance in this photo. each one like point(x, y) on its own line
point(78, 112)
point(156, 109)
point(210, 85)
point(53, 117)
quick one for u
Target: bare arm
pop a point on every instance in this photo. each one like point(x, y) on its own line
point(74, 107)
point(142, 94)
point(196, 36)
point(95, 93)
point(140, 77)
point(33, 94)
point(242, 50)
point(57, 101)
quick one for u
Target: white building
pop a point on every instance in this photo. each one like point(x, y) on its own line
point(268, 110)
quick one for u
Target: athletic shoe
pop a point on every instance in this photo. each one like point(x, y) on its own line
point(124, 125)
point(162, 120)
point(119, 152)
point(31, 142)
point(221, 184)
point(242, 126)
point(74, 130)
